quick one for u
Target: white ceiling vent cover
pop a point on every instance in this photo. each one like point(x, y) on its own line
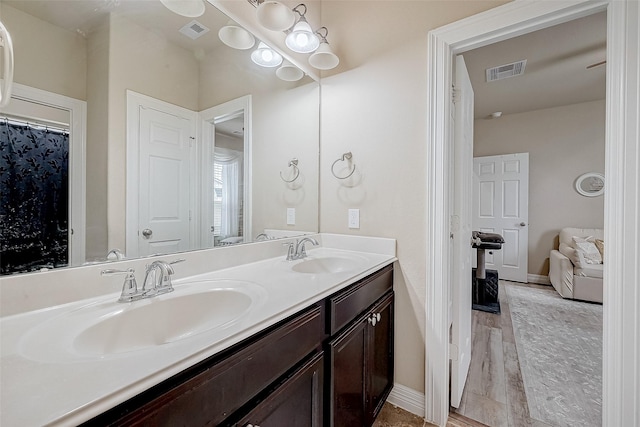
point(505, 71)
point(194, 29)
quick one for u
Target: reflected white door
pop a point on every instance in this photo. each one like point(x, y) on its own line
point(461, 233)
point(164, 183)
point(501, 205)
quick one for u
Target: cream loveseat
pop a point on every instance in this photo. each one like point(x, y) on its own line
point(573, 269)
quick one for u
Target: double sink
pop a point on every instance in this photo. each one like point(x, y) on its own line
point(106, 328)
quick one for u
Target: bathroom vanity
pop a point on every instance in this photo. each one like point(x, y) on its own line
point(320, 362)
point(305, 342)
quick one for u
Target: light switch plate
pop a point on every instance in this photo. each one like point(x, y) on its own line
point(291, 216)
point(354, 218)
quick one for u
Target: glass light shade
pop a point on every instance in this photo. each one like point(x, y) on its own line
point(302, 39)
point(188, 8)
point(289, 72)
point(265, 56)
point(236, 37)
point(324, 58)
point(275, 16)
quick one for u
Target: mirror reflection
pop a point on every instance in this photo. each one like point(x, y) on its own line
point(135, 131)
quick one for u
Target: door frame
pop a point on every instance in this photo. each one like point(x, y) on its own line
point(134, 102)
point(207, 119)
point(77, 110)
point(622, 301)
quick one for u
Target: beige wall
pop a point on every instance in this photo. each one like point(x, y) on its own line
point(97, 140)
point(285, 125)
point(144, 62)
point(376, 108)
point(562, 143)
point(59, 64)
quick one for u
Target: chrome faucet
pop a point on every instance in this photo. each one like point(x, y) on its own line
point(157, 281)
point(115, 255)
point(300, 250)
point(297, 250)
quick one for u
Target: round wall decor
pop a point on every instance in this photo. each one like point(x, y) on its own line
point(590, 184)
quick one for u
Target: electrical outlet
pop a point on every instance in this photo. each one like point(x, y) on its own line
point(354, 218)
point(291, 216)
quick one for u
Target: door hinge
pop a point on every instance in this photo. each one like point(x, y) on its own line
point(456, 94)
point(189, 214)
point(191, 141)
point(453, 351)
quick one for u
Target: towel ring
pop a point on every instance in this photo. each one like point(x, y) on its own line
point(292, 164)
point(345, 156)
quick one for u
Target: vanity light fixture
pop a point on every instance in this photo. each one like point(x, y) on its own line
point(188, 8)
point(236, 37)
point(289, 72)
point(324, 58)
point(265, 56)
point(302, 39)
point(275, 16)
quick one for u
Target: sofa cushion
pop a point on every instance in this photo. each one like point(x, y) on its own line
point(600, 246)
point(590, 270)
point(588, 249)
point(567, 233)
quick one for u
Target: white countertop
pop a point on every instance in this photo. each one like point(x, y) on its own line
point(50, 387)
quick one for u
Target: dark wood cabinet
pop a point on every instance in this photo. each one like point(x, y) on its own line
point(330, 364)
point(361, 363)
point(296, 402)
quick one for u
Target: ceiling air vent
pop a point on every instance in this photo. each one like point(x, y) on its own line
point(505, 71)
point(194, 29)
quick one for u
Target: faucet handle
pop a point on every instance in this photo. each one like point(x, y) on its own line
point(129, 287)
point(290, 251)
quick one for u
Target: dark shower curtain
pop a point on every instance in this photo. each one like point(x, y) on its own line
point(34, 196)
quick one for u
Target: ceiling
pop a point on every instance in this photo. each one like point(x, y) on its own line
point(83, 16)
point(555, 74)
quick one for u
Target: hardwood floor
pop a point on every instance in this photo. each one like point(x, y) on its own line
point(494, 393)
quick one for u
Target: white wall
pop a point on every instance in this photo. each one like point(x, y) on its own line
point(374, 105)
point(562, 143)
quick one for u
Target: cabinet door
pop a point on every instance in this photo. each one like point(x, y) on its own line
point(380, 356)
point(348, 376)
point(361, 360)
point(296, 402)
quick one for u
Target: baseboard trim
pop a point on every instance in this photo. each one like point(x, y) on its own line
point(536, 278)
point(407, 399)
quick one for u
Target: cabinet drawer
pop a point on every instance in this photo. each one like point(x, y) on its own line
point(348, 304)
point(213, 394)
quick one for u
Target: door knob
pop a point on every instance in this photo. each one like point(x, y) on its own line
point(147, 232)
point(522, 224)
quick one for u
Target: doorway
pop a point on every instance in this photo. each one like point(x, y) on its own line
point(480, 30)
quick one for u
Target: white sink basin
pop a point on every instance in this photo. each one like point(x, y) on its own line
point(109, 328)
point(328, 264)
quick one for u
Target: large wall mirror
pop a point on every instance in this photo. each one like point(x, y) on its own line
point(135, 131)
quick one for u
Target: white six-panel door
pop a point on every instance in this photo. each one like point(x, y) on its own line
point(501, 205)
point(161, 176)
point(164, 198)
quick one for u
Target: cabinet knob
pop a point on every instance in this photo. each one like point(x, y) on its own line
point(372, 319)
